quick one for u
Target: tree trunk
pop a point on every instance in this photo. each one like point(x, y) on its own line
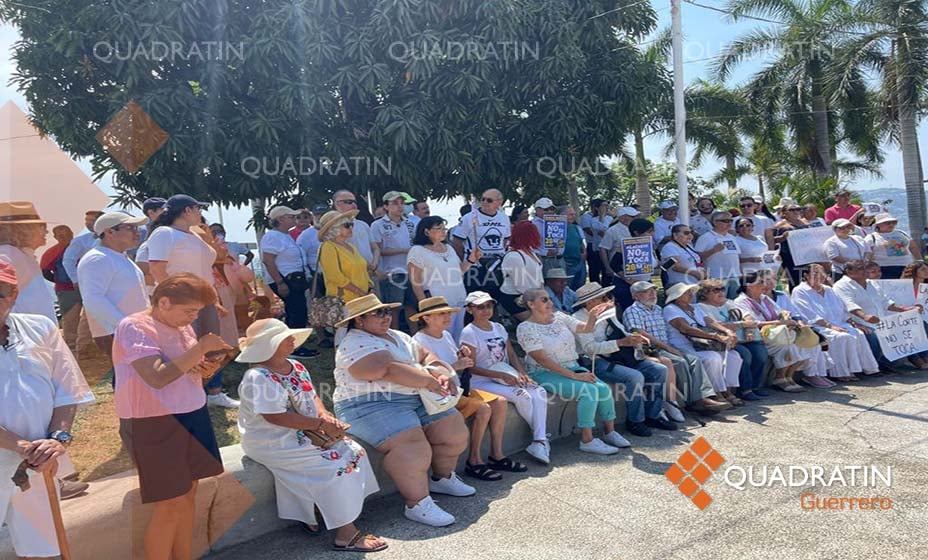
point(730, 172)
point(573, 194)
point(642, 189)
point(914, 190)
point(760, 187)
point(820, 118)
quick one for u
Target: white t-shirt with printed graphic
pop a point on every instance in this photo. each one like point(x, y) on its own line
point(490, 345)
point(724, 264)
point(493, 233)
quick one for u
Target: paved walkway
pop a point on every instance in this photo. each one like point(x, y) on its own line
point(622, 507)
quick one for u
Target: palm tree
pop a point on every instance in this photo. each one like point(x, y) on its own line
point(892, 41)
point(793, 85)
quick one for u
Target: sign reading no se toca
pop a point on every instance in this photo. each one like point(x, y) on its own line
point(555, 231)
point(902, 334)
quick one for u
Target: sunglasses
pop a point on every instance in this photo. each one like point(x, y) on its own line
point(717, 290)
point(125, 226)
point(544, 299)
point(747, 225)
point(747, 206)
point(347, 201)
point(793, 209)
point(488, 200)
point(348, 225)
point(380, 313)
point(483, 306)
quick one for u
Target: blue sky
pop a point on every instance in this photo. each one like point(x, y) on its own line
point(705, 35)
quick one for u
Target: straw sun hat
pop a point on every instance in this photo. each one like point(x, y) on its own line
point(333, 218)
point(364, 304)
point(19, 212)
point(264, 336)
point(433, 305)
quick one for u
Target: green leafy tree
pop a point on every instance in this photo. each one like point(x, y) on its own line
point(452, 97)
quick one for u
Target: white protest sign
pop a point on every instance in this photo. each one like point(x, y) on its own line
point(899, 291)
point(922, 299)
point(808, 245)
point(902, 334)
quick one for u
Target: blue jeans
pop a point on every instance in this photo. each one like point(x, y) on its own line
point(577, 274)
point(754, 356)
point(639, 386)
point(215, 382)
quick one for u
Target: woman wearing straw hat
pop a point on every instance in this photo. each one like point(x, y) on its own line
point(279, 407)
point(488, 410)
point(892, 249)
point(379, 374)
point(341, 264)
point(41, 386)
point(22, 231)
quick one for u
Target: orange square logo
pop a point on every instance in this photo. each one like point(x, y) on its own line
point(693, 468)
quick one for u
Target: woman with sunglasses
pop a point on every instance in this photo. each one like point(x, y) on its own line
point(379, 374)
point(435, 270)
point(892, 249)
point(719, 250)
point(792, 220)
point(552, 360)
point(341, 264)
point(685, 263)
point(752, 247)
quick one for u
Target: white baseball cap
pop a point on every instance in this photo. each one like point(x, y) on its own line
point(544, 203)
point(113, 219)
point(279, 211)
point(667, 205)
point(628, 211)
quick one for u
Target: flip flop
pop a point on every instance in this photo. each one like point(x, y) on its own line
point(506, 464)
point(359, 536)
point(482, 472)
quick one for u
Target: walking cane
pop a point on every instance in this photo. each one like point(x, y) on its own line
point(52, 487)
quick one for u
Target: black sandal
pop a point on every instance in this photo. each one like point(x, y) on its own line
point(506, 464)
point(482, 472)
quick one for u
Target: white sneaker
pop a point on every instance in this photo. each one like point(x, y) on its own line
point(452, 486)
point(598, 447)
point(673, 413)
point(427, 512)
point(223, 400)
point(615, 439)
point(539, 451)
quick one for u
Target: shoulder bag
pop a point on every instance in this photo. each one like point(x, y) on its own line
point(701, 344)
point(327, 310)
point(317, 437)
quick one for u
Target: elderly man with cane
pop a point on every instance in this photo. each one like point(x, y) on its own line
point(40, 390)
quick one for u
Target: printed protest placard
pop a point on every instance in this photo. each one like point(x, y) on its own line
point(555, 234)
point(636, 254)
point(902, 334)
point(808, 245)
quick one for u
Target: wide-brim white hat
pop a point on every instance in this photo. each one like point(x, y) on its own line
point(678, 290)
point(264, 336)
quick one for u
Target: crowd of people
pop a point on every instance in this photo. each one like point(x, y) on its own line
point(425, 321)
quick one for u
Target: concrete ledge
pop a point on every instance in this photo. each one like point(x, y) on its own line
point(236, 507)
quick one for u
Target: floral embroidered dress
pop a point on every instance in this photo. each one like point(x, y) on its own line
point(336, 480)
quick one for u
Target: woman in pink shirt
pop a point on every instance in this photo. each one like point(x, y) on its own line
point(160, 370)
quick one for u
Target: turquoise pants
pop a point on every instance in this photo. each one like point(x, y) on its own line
point(592, 398)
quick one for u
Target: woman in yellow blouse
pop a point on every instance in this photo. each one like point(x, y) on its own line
point(341, 265)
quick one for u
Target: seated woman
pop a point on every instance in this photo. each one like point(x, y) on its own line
point(279, 407)
point(750, 347)
point(551, 357)
point(435, 317)
point(755, 304)
point(686, 320)
point(379, 374)
point(847, 346)
point(489, 345)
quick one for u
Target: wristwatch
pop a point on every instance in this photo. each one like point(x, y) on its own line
point(61, 436)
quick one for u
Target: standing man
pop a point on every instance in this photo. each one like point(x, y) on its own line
point(420, 209)
point(69, 299)
point(554, 257)
point(72, 255)
point(594, 225)
point(749, 208)
point(842, 207)
point(665, 222)
point(304, 221)
point(112, 286)
point(393, 235)
point(489, 228)
point(705, 206)
point(612, 240)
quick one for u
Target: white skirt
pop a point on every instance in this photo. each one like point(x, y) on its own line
point(336, 480)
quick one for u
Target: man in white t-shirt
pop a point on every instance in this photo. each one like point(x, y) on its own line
point(344, 201)
point(612, 239)
point(720, 252)
point(699, 223)
point(420, 209)
point(112, 286)
point(749, 209)
point(666, 221)
point(393, 235)
point(489, 227)
point(594, 224)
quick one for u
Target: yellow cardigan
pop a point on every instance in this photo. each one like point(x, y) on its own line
point(341, 266)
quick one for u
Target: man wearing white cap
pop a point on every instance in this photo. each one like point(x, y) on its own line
point(612, 239)
point(112, 286)
point(666, 221)
point(550, 258)
point(393, 234)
